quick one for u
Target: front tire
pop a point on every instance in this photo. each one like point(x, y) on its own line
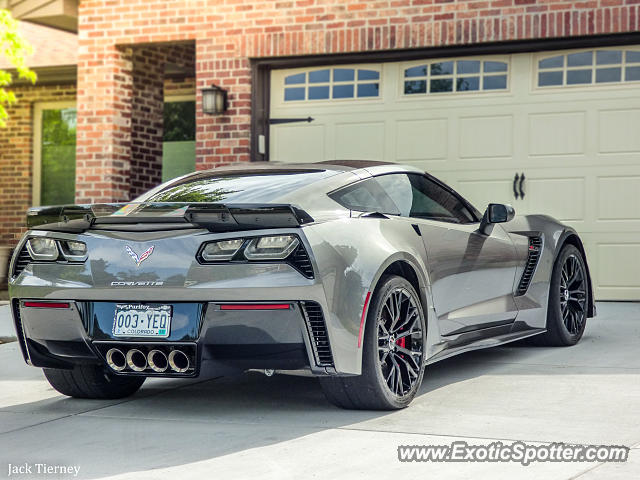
point(92, 381)
point(392, 353)
point(568, 300)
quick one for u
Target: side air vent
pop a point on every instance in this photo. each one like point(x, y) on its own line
point(535, 248)
point(300, 261)
point(15, 307)
point(22, 261)
point(318, 334)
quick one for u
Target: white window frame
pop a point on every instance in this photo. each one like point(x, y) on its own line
point(330, 101)
point(427, 95)
point(38, 108)
point(535, 69)
point(180, 98)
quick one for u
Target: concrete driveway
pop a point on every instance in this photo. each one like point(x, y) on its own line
point(281, 427)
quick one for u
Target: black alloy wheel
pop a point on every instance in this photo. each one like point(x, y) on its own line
point(573, 294)
point(393, 358)
point(569, 297)
point(400, 341)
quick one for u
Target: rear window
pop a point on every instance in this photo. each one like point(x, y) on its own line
point(365, 196)
point(243, 187)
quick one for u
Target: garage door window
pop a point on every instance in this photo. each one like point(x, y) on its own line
point(331, 84)
point(593, 67)
point(455, 76)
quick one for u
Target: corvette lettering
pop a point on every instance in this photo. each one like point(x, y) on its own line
point(137, 284)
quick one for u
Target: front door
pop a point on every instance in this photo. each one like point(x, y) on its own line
point(54, 170)
point(472, 274)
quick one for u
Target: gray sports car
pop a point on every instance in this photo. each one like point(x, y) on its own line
point(360, 273)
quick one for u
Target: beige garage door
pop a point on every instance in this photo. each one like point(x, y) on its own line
point(568, 121)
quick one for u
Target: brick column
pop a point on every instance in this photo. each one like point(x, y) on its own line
point(147, 119)
point(103, 152)
point(223, 139)
point(120, 119)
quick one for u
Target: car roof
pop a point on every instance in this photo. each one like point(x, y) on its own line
point(370, 166)
point(341, 171)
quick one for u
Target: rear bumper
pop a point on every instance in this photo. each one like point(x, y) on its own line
point(223, 340)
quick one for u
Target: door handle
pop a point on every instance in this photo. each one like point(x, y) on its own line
point(515, 188)
point(521, 186)
point(279, 121)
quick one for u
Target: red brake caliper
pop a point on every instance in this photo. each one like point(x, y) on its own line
point(400, 342)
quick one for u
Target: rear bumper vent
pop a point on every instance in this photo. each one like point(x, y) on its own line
point(15, 308)
point(300, 261)
point(535, 249)
point(318, 334)
point(22, 261)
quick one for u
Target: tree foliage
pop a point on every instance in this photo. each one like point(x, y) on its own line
point(15, 49)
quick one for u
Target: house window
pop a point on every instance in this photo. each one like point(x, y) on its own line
point(54, 181)
point(449, 76)
point(55, 147)
point(332, 84)
point(593, 67)
point(179, 137)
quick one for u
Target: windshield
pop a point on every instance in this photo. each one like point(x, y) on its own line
point(237, 187)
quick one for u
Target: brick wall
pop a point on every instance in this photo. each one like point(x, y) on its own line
point(147, 104)
point(16, 151)
point(228, 33)
point(119, 151)
point(180, 86)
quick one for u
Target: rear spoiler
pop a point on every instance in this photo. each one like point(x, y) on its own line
point(164, 216)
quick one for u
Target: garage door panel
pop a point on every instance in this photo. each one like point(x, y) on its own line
point(619, 198)
point(484, 187)
point(422, 140)
point(611, 256)
point(613, 260)
point(358, 141)
point(557, 134)
point(618, 131)
point(486, 137)
point(562, 198)
point(298, 143)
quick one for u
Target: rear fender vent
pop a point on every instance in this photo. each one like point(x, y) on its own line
point(318, 334)
point(22, 261)
point(535, 249)
point(300, 261)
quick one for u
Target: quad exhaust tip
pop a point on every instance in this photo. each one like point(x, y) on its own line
point(178, 361)
point(116, 359)
point(136, 360)
point(157, 361)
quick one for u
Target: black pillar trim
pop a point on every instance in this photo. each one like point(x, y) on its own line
point(260, 101)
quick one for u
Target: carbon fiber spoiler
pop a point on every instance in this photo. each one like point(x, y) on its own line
point(215, 217)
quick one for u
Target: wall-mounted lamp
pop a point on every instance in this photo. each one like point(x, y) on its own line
point(214, 100)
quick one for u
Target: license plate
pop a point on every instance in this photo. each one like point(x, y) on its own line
point(139, 320)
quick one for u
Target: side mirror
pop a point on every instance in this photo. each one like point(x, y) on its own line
point(496, 213)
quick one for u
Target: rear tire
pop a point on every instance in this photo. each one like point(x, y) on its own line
point(392, 352)
point(568, 300)
point(92, 381)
